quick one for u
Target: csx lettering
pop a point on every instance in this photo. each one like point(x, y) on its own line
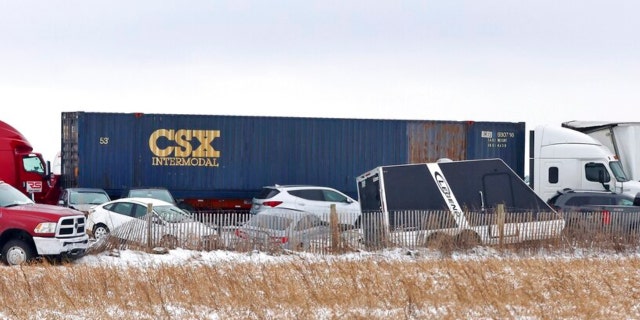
point(185, 141)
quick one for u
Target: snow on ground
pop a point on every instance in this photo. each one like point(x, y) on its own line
point(182, 256)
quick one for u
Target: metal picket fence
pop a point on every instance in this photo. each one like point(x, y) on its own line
point(377, 230)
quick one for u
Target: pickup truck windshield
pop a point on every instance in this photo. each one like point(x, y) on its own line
point(616, 168)
point(10, 196)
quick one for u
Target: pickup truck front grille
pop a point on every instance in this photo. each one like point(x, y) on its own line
point(71, 226)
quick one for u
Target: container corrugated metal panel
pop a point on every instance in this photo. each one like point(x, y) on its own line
point(504, 140)
point(115, 151)
point(253, 152)
point(433, 140)
point(101, 148)
point(69, 149)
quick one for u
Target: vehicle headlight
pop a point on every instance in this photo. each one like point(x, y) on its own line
point(45, 227)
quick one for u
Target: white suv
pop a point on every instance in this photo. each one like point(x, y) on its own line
point(313, 199)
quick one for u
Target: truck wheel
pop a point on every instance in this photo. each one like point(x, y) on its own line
point(16, 252)
point(100, 231)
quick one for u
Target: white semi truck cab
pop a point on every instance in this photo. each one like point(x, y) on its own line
point(563, 158)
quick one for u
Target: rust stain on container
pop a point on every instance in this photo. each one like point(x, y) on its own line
point(430, 141)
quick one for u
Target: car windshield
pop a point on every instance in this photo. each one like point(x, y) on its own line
point(10, 196)
point(88, 198)
point(266, 221)
point(159, 194)
point(172, 214)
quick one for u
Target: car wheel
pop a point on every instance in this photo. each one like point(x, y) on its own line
point(169, 242)
point(100, 231)
point(17, 252)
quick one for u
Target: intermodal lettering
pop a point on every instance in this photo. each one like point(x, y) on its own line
point(190, 148)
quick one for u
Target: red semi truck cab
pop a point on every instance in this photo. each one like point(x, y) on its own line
point(24, 169)
point(29, 230)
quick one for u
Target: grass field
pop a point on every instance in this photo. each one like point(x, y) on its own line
point(400, 284)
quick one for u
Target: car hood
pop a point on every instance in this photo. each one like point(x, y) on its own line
point(44, 211)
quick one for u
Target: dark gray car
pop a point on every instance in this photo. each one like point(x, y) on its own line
point(82, 199)
point(598, 211)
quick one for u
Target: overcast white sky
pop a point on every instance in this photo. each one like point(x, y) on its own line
point(538, 61)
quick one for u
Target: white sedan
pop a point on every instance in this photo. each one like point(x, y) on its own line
point(149, 221)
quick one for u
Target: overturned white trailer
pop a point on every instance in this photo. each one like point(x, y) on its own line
point(620, 137)
point(415, 204)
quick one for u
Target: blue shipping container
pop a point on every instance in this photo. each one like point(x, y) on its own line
point(232, 157)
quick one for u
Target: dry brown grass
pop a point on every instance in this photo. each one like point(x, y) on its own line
point(332, 287)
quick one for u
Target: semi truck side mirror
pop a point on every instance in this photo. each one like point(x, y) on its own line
point(48, 174)
point(601, 179)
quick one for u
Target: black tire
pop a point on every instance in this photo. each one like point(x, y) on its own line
point(17, 252)
point(100, 230)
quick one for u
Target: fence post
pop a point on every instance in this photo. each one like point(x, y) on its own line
point(149, 224)
point(500, 215)
point(335, 233)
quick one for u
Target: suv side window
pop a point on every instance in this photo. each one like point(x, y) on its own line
point(625, 202)
point(598, 200)
point(309, 194)
point(333, 196)
point(267, 193)
point(577, 201)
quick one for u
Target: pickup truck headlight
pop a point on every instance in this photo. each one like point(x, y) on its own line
point(45, 227)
